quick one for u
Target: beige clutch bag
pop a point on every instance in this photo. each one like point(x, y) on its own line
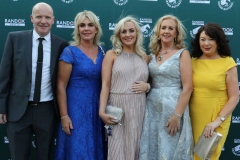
point(205, 147)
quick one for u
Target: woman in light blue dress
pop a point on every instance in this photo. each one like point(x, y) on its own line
point(167, 133)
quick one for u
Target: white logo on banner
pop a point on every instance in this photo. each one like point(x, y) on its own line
point(236, 150)
point(120, 2)
point(145, 27)
point(235, 119)
point(194, 32)
point(200, 1)
point(14, 22)
point(228, 31)
point(197, 23)
point(225, 4)
point(148, 0)
point(33, 144)
point(65, 24)
point(236, 140)
point(145, 20)
point(173, 3)
point(112, 26)
point(6, 139)
point(238, 63)
point(67, 1)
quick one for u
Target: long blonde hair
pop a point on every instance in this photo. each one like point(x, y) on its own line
point(155, 44)
point(115, 38)
point(93, 19)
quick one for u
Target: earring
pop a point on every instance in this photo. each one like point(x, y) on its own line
point(158, 38)
point(175, 39)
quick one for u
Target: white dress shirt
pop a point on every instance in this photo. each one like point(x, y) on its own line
point(46, 90)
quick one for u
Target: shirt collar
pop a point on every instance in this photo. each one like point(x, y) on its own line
point(36, 36)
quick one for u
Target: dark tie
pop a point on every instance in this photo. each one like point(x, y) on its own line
point(38, 79)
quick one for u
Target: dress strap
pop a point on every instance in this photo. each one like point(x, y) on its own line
point(102, 50)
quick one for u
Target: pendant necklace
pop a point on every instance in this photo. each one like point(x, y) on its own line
point(161, 54)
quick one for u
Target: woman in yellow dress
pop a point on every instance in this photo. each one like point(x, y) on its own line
point(215, 83)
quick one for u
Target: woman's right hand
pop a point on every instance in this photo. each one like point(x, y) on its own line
point(107, 119)
point(67, 125)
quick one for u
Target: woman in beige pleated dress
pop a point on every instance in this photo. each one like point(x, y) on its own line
point(124, 84)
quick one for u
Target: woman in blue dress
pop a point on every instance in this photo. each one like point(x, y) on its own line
point(78, 91)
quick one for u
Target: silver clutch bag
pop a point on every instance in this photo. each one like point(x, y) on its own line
point(205, 147)
point(115, 112)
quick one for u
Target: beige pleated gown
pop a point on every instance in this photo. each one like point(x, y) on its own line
point(124, 142)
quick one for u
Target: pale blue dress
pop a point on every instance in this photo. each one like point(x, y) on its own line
point(156, 143)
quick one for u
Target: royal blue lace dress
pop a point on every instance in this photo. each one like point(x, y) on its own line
point(83, 93)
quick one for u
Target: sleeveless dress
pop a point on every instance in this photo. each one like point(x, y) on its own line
point(209, 97)
point(83, 94)
point(124, 142)
point(156, 143)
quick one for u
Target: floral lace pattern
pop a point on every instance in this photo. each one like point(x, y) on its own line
point(83, 92)
point(156, 143)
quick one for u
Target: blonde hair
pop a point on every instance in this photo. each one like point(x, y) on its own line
point(93, 19)
point(115, 38)
point(155, 44)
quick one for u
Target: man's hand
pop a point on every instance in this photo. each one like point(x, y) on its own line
point(3, 118)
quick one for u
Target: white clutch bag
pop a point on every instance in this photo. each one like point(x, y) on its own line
point(205, 147)
point(115, 112)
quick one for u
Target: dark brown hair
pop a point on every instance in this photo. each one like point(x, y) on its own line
point(216, 32)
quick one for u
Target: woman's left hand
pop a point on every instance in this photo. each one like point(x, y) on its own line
point(210, 127)
point(173, 125)
point(139, 87)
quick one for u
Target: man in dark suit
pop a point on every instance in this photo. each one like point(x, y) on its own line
point(28, 84)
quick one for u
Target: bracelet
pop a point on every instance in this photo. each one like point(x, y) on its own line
point(148, 87)
point(64, 116)
point(179, 115)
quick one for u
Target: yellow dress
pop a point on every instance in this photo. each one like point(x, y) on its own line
point(209, 97)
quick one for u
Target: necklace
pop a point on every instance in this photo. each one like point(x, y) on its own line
point(88, 49)
point(161, 53)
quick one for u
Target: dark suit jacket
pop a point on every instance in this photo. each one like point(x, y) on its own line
point(16, 72)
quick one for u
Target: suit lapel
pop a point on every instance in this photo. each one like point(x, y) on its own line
point(28, 50)
point(54, 55)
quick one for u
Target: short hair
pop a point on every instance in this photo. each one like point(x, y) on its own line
point(115, 38)
point(79, 19)
point(155, 45)
point(216, 32)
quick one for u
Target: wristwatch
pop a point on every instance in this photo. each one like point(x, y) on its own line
point(222, 118)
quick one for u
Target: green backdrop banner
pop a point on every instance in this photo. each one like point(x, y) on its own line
point(15, 15)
